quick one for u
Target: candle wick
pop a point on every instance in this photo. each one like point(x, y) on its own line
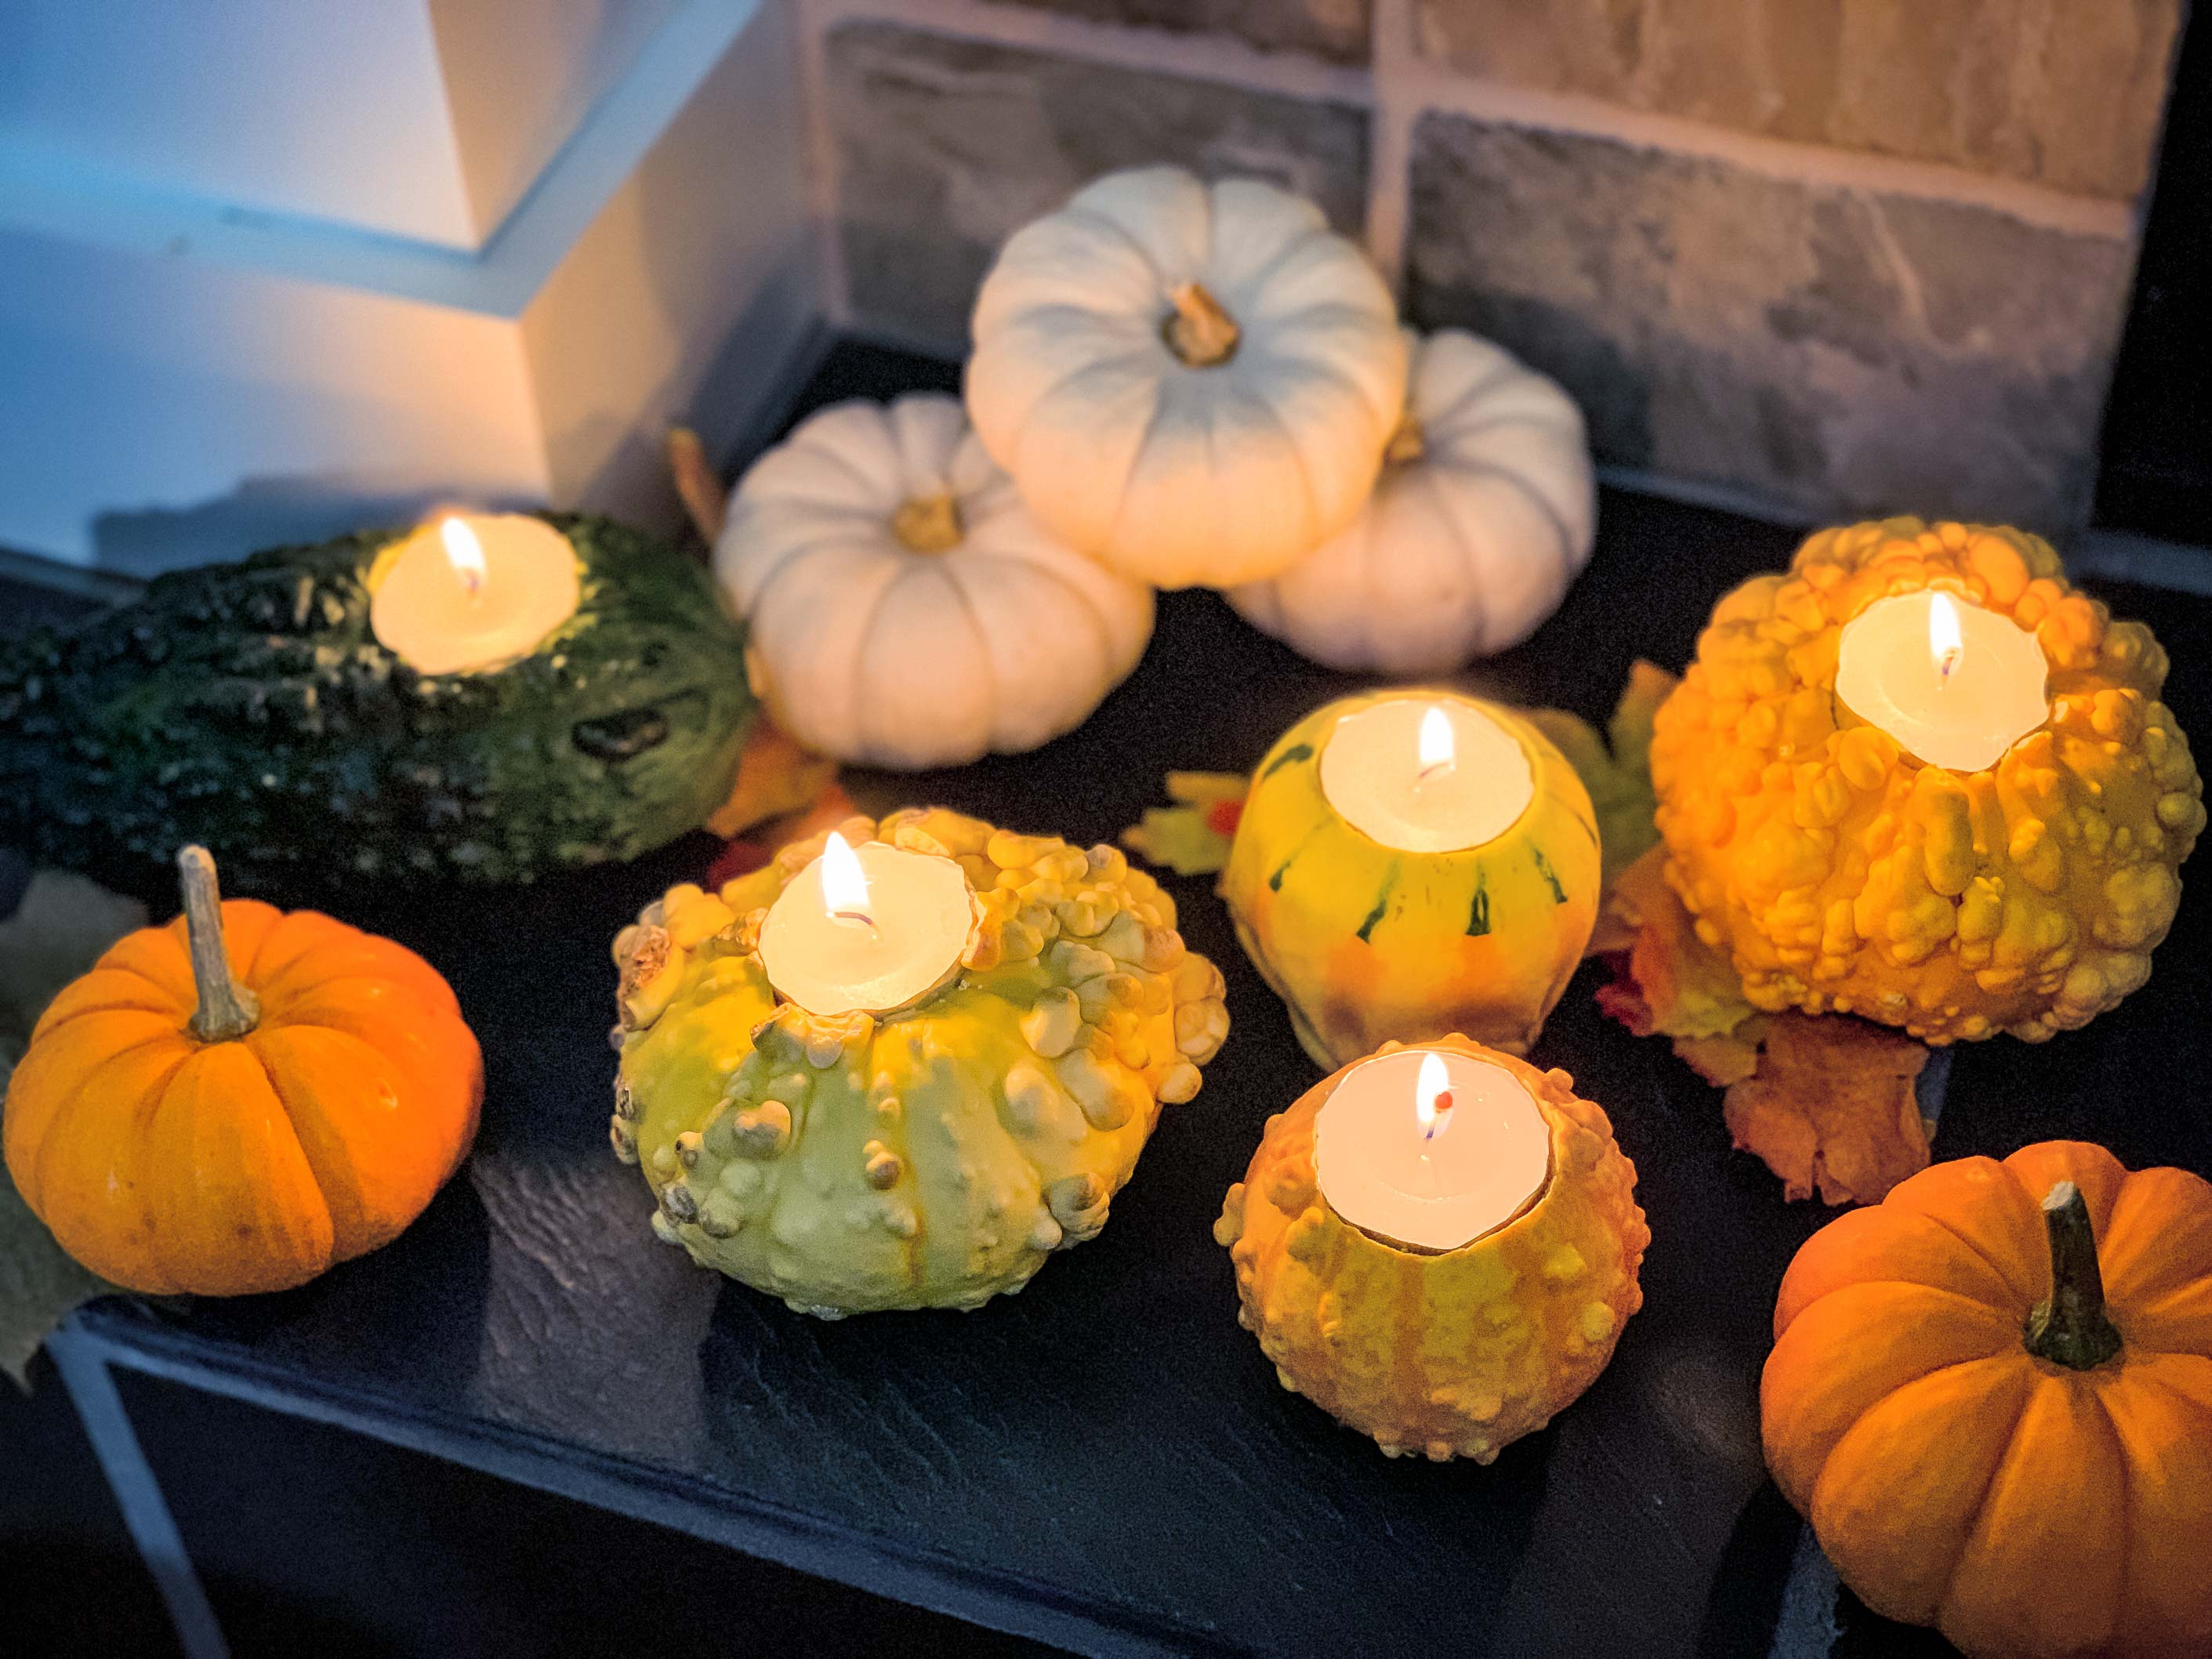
point(861, 917)
point(1434, 769)
point(1436, 1110)
point(1950, 661)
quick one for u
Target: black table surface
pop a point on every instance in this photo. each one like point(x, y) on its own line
point(1106, 1461)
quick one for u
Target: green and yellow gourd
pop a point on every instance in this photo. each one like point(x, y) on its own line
point(935, 1155)
point(251, 706)
point(1368, 945)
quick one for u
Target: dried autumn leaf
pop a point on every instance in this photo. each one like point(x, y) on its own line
point(775, 779)
point(59, 929)
point(1828, 1103)
point(1833, 1108)
point(706, 501)
point(1634, 717)
point(40, 1284)
point(1616, 769)
point(1682, 987)
point(1192, 837)
point(742, 856)
point(1722, 1061)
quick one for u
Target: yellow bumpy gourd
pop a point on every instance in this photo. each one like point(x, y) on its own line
point(1840, 873)
point(1367, 944)
point(935, 1155)
point(1453, 1354)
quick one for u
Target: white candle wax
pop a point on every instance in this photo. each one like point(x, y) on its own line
point(1426, 774)
point(870, 928)
point(465, 594)
point(1394, 1159)
point(1955, 684)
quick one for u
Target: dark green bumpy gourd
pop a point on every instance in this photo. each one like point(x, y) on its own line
point(249, 707)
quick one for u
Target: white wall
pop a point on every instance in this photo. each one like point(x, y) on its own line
point(423, 118)
point(327, 111)
point(519, 74)
point(176, 386)
point(162, 413)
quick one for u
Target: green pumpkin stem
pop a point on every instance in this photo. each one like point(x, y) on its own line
point(2071, 1328)
point(227, 1010)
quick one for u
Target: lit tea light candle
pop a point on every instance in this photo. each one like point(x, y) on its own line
point(866, 930)
point(1430, 1149)
point(1955, 684)
point(475, 593)
point(1426, 774)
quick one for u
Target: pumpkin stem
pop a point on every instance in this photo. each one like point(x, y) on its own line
point(928, 524)
point(1406, 445)
point(228, 1010)
point(2071, 1328)
point(1198, 330)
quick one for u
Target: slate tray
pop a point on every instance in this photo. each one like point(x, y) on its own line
point(1106, 1461)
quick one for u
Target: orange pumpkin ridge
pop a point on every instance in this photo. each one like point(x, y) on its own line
point(235, 1101)
point(2000, 1379)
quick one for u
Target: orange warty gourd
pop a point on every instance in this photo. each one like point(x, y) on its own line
point(1841, 874)
point(235, 1101)
point(1991, 1395)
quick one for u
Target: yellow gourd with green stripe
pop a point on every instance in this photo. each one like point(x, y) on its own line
point(1368, 945)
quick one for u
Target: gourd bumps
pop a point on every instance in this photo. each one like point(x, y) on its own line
point(1451, 1354)
point(1842, 874)
point(935, 1155)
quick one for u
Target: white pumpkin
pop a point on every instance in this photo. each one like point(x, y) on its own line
point(1485, 514)
point(1192, 381)
point(906, 610)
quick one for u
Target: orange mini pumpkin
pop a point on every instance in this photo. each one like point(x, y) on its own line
point(1992, 1394)
point(192, 1119)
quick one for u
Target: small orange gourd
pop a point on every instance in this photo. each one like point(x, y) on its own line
point(235, 1101)
point(1450, 1353)
point(1991, 1395)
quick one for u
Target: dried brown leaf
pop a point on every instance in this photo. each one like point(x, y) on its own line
point(1831, 1108)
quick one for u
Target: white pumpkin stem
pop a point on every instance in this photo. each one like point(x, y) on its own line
point(1199, 331)
point(1406, 445)
point(928, 524)
point(227, 1009)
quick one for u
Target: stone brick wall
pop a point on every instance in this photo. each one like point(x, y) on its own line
point(1823, 257)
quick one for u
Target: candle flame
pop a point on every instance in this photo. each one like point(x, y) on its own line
point(1432, 1100)
point(1945, 644)
point(844, 883)
point(463, 551)
point(1438, 751)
